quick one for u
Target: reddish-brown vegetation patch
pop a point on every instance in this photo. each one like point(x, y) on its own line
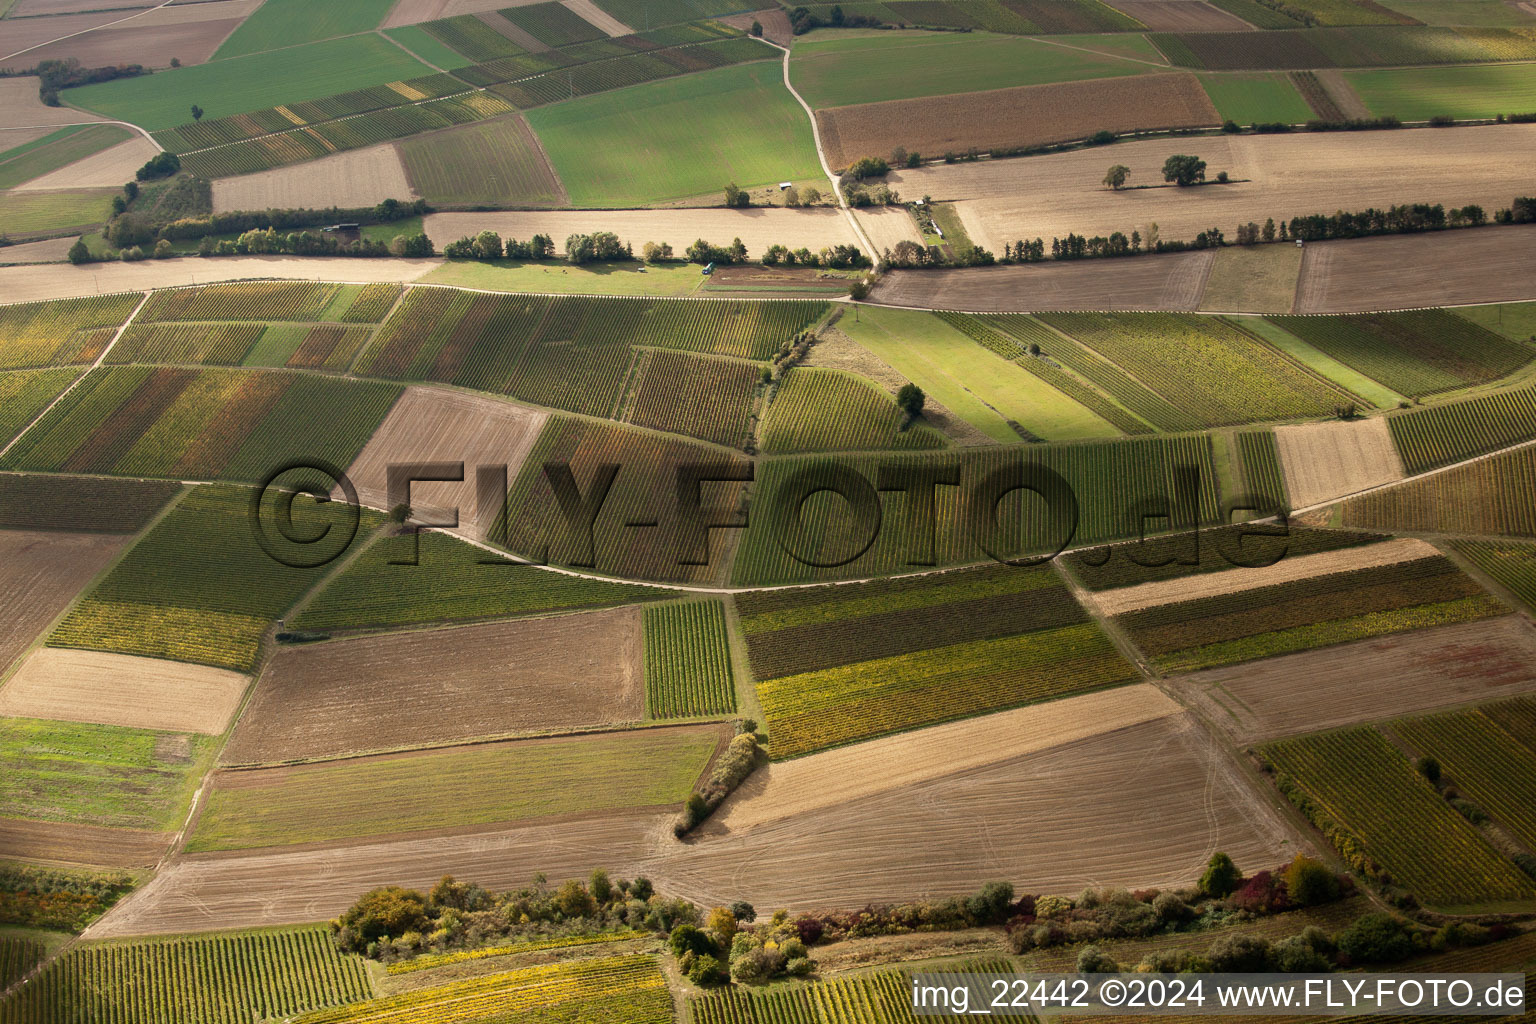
point(444, 686)
point(1028, 115)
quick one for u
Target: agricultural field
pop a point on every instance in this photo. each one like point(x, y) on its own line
point(198, 587)
point(453, 788)
point(1265, 98)
point(54, 212)
point(226, 87)
point(1421, 93)
point(643, 491)
point(700, 396)
point(688, 660)
point(80, 503)
point(1384, 677)
point(1327, 460)
point(1368, 46)
point(40, 573)
point(1439, 435)
point(437, 687)
point(1331, 608)
point(60, 333)
point(281, 23)
point(1481, 13)
point(185, 423)
point(1512, 566)
point(1491, 766)
point(626, 989)
point(98, 688)
point(56, 150)
point(566, 353)
point(1447, 269)
point(834, 70)
point(1418, 354)
point(1183, 16)
point(1491, 496)
point(99, 775)
point(472, 37)
point(678, 138)
point(1384, 816)
point(828, 410)
point(223, 977)
point(494, 162)
point(25, 393)
point(839, 664)
point(883, 997)
point(553, 24)
point(1110, 480)
point(644, 14)
point(358, 177)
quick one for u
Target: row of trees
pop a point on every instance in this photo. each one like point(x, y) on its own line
point(487, 245)
point(739, 198)
point(54, 75)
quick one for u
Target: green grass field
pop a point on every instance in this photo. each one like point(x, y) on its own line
point(65, 146)
point(282, 23)
point(1358, 383)
point(1512, 319)
point(1258, 97)
point(26, 213)
point(1418, 94)
point(970, 381)
point(99, 774)
point(680, 137)
point(451, 788)
point(835, 70)
point(428, 47)
point(240, 84)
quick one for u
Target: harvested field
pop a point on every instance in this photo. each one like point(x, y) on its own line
point(40, 573)
point(491, 163)
point(444, 686)
point(437, 425)
point(758, 227)
point(1180, 16)
point(139, 41)
point(1233, 581)
point(887, 225)
point(107, 169)
point(1173, 282)
point(19, 36)
point(594, 15)
point(1444, 269)
point(116, 689)
point(1257, 279)
point(1144, 806)
point(775, 24)
point(1280, 176)
point(1367, 681)
point(413, 12)
point(359, 177)
point(52, 250)
point(20, 107)
point(38, 8)
point(1022, 116)
point(81, 844)
point(847, 774)
point(31, 284)
point(1323, 461)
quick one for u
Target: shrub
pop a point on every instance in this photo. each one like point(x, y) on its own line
point(391, 910)
point(1239, 953)
point(1093, 960)
point(1221, 877)
point(79, 252)
point(1378, 938)
point(1296, 955)
point(686, 938)
point(990, 905)
point(161, 165)
point(868, 167)
point(1308, 882)
point(1428, 766)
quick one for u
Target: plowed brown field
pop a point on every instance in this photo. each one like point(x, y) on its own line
point(1409, 271)
point(1368, 680)
point(40, 573)
point(116, 689)
point(360, 177)
point(444, 686)
point(1028, 115)
point(1173, 282)
point(81, 844)
point(1323, 461)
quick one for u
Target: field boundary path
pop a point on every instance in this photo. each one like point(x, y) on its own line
point(821, 155)
point(84, 374)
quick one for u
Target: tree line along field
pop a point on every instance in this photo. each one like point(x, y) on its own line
point(186, 423)
point(61, 332)
point(100, 775)
point(216, 978)
point(688, 660)
point(835, 665)
point(1422, 353)
point(1384, 817)
point(1440, 435)
point(1369, 46)
point(1512, 566)
point(453, 787)
point(1493, 496)
point(80, 503)
point(1108, 480)
point(1295, 616)
point(572, 353)
point(628, 989)
point(198, 587)
point(451, 581)
point(816, 409)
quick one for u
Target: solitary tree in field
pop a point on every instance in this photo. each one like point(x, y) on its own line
point(910, 400)
point(1115, 179)
point(197, 112)
point(1221, 876)
point(1183, 170)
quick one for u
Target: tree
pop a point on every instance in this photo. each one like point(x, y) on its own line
point(869, 167)
point(391, 910)
point(488, 245)
point(1308, 882)
point(656, 251)
point(1430, 769)
point(1377, 938)
point(757, 28)
point(910, 400)
point(1116, 176)
point(1269, 230)
point(811, 195)
point(791, 196)
point(735, 197)
point(1093, 960)
point(162, 249)
point(119, 205)
point(721, 924)
point(743, 911)
point(1183, 170)
point(161, 165)
point(131, 190)
point(1221, 877)
point(411, 246)
point(600, 886)
point(129, 229)
point(573, 900)
point(79, 252)
point(197, 112)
